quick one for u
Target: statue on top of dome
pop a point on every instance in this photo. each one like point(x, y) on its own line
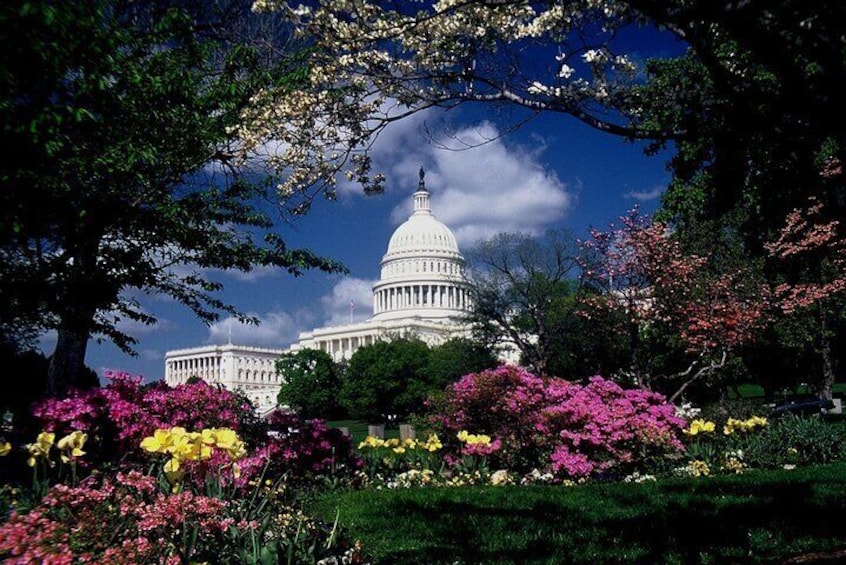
point(421, 185)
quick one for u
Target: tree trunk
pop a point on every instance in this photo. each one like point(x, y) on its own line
point(826, 388)
point(67, 361)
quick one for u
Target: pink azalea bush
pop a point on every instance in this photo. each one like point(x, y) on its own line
point(303, 450)
point(147, 525)
point(229, 501)
point(118, 416)
point(553, 425)
point(123, 412)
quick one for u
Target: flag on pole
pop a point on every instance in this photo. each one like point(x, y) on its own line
point(352, 307)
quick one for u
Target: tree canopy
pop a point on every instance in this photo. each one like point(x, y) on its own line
point(386, 379)
point(310, 383)
point(121, 173)
point(520, 289)
point(752, 66)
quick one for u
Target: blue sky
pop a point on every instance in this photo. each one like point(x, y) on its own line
point(554, 172)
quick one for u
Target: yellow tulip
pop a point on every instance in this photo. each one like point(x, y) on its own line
point(45, 441)
point(158, 442)
point(5, 448)
point(173, 472)
point(73, 442)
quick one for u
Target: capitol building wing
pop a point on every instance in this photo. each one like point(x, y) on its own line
point(422, 293)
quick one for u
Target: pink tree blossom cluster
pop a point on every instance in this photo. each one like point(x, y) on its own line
point(806, 233)
point(647, 274)
point(557, 426)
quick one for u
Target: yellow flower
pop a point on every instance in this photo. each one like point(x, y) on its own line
point(185, 447)
point(433, 443)
point(473, 439)
point(5, 448)
point(41, 447)
point(700, 426)
point(158, 442)
point(173, 472)
point(371, 441)
point(224, 438)
point(71, 445)
point(45, 441)
point(699, 468)
point(733, 425)
point(229, 441)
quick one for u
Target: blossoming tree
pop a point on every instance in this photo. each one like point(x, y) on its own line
point(814, 247)
point(643, 271)
point(372, 63)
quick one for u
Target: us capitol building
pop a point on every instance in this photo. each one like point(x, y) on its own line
point(422, 292)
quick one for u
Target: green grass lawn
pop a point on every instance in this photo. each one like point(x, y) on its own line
point(755, 517)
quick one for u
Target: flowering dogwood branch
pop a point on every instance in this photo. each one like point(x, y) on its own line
point(369, 64)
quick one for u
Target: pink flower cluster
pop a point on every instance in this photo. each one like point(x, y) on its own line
point(68, 525)
point(122, 413)
point(301, 450)
point(554, 425)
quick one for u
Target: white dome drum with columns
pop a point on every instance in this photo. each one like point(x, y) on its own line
point(423, 271)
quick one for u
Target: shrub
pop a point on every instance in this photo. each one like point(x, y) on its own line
point(213, 498)
point(556, 426)
point(792, 439)
point(119, 415)
point(151, 525)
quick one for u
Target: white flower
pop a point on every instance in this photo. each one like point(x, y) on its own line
point(566, 71)
point(593, 56)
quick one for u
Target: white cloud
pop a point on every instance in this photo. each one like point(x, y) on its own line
point(275, 329)
point(645, 195)
point(279, 329)
point(134, 327)
point(336, 305)
point(151, 355)
point(480, 184)
point(258, 273)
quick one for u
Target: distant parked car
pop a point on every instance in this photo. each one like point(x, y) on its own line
point(802, 405)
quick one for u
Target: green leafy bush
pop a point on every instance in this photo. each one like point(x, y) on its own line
point(794, 439)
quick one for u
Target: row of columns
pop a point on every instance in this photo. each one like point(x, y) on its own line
point(180, 370)
point(344, 347)
point(425, 296)
point(210, 369)
point(413, 266)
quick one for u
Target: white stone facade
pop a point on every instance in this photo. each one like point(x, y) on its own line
point(251, 370)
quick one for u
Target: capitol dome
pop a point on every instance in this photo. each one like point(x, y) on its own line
point(422, 272)
point(422, 233)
